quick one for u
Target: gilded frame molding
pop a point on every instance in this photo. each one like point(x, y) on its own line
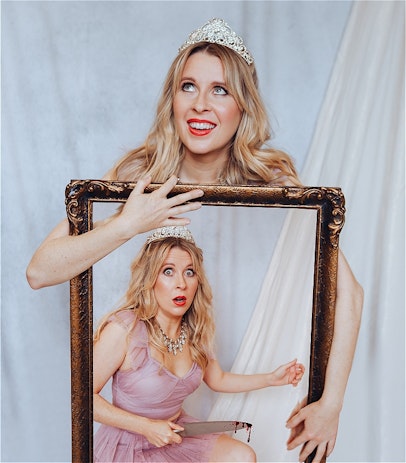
point(80, 196)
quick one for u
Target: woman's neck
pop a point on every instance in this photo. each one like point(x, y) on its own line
point(201, 171)
point(170, 326)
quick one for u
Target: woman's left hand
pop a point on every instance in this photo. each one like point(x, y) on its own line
point(290, 373)
point(314, 426)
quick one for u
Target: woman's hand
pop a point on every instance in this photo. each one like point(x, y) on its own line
point(62, 256)
point(313, 426)
point(161, 432)
point(144, 212)
point(290, 373)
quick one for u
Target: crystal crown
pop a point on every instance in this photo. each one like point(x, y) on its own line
point(218, 31)
point(174, 231)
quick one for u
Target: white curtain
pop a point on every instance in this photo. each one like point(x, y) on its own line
point(279, 331)
point(358, 145)
point(79, 86)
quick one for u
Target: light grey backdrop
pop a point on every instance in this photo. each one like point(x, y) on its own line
point(79, 85)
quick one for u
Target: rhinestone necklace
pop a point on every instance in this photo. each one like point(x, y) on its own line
point(173, 346)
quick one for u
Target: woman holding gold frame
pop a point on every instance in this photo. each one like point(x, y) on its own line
point(239, 158)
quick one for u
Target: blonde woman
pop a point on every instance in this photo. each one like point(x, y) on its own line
point(230, 151)
point(210, 127)
point(158, 347)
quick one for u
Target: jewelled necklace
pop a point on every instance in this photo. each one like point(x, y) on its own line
point(175, 345)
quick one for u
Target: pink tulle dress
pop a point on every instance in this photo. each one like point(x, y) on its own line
point(149, 390)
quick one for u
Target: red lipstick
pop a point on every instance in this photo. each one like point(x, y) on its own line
point(200, 127)
point(179, 300)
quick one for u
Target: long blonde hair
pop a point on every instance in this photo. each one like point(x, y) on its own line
point(251, 161)
point(140, 298)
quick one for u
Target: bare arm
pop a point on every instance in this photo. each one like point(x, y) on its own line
point(61, 256)
point(221, 381)
point(316, 424)
point(109, 354)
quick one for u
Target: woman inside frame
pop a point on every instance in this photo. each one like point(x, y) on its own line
point(158, 347)
point(211, 127)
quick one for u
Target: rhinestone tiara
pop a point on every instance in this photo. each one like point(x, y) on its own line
point(174, 231)
point(218, 31)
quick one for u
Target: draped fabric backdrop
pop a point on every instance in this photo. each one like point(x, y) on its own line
point(359, 145)
point(80, 81)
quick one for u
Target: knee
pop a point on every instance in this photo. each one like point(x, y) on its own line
point(251, 455)
point(232, 450)
point(244, 453)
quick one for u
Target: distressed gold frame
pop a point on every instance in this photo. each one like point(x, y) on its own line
point(80, 196)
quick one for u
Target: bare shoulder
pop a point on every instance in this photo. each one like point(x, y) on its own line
point(113, 331)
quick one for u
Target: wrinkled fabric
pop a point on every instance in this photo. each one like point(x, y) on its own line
point(359, 146)
point(147, 389)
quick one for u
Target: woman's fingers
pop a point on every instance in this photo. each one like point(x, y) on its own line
point(142, 184)
point(146, 211)
point(177, 204)
point(175, 416)
point(183, 208)
point(167, 187)
point(181, 198)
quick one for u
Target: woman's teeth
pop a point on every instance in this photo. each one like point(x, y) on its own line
point(201, 125)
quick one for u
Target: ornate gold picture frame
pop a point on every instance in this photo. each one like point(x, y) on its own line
point(80, 197)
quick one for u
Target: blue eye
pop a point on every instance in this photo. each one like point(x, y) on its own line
point(220, 91)
point(190, 272)
point(168, 271)
point(188, 87)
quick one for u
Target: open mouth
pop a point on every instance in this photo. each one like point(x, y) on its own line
point(179, 300)
point(200, 128)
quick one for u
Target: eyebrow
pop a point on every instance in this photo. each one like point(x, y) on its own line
point(166, 264)
point(215, 83)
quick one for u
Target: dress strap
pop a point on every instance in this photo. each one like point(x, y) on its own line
point(138, 335)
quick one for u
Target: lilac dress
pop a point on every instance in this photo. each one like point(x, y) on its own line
point(149, 390)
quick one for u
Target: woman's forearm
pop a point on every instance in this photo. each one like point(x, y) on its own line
point(62, 256)
point(314, 427)
point(348, 312)
point(157, 432)
point(221, 381)
point(235, 383)
point(106, 413)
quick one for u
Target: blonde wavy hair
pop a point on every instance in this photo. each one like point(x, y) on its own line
point(251, 161)
point(140, 298)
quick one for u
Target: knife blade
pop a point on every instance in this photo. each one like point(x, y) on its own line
point(208, 427)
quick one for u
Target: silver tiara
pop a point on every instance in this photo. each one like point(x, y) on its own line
point(218, 31)
point(174, 231)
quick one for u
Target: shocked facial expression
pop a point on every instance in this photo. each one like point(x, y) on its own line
point(176, 285)
point(206, 115)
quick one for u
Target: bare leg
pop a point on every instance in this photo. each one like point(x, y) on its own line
point(227, 449)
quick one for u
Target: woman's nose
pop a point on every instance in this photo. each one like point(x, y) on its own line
point(181, 282)
point(201, 103)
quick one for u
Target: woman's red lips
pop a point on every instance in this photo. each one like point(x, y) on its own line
point(179, 300)
point(200, 127)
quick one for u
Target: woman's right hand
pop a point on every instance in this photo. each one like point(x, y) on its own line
point(144, 212)
point(62, 256)
point(161, 432)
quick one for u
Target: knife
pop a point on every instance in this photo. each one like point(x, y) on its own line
point(208, 427)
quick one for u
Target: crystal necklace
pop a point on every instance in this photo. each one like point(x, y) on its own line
point(173, 346)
